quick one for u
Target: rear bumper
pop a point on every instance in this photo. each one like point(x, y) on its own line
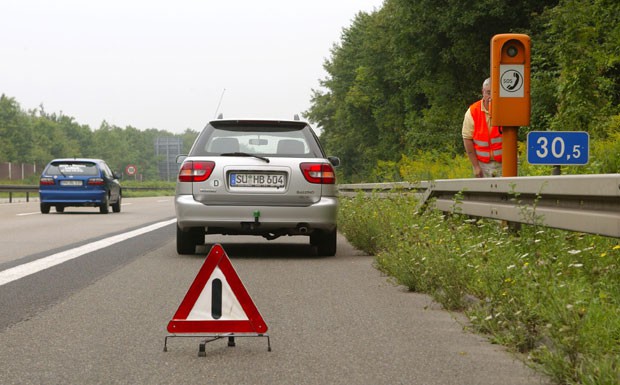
point(321, 215)
point(72, 198)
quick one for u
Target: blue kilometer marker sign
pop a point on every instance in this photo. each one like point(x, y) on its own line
point(558, 148)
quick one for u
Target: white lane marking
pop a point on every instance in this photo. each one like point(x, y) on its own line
point(17, 272)
point(24, 214)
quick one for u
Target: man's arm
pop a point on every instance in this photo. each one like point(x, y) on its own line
point(468, 142)
point(471, 154)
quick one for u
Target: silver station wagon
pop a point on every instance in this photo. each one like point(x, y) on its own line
point(257, 177)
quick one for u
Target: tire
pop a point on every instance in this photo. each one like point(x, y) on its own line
point(325, 242)
point(116, 207)
point(105, 206)
point(60, 209)
point(45, 208)
point(188, 240)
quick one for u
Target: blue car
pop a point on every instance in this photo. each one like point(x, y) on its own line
point(79, 182)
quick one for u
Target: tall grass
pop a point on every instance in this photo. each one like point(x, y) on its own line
point(435, 164)
point(549, 294)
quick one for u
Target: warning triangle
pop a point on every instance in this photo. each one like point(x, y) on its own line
point(217, 301)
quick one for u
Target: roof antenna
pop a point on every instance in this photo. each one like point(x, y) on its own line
point(219, 104)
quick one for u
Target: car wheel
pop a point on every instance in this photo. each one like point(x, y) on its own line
point(60, 209)
point(45, 208)
point(188, 240)
point(116, 207)
point(325, 242)
point(105, 205)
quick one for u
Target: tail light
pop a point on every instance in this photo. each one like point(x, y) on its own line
point(96, 181)
point(321, 173)
point(45, 181)
point(196, 171)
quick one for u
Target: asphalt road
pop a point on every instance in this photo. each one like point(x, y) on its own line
point(101, 318)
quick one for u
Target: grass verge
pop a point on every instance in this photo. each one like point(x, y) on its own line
point(552, 295)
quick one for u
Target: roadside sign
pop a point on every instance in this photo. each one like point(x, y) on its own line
point(558, 148)
point(131, 169)
point(217, 301)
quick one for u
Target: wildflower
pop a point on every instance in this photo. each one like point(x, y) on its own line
point(617, 247)
point(577, 265)
point(603, 255)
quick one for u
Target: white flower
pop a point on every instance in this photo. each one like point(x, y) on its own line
point(578, 265)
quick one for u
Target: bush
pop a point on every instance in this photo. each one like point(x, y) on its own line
point(431, 165)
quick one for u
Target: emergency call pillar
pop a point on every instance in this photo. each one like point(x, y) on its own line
point(510, 92)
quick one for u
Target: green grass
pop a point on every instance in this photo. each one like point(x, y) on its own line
point(549, 294)
point(155, 188)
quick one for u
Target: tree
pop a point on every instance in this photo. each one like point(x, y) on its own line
point(577, 77)
point(402, 77)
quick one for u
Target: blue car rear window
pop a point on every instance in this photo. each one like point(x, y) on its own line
point(74, 169)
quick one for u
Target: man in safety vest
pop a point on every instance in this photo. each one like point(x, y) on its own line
point(483, 142)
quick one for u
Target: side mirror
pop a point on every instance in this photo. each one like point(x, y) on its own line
point(334, 160)
point(181, 158)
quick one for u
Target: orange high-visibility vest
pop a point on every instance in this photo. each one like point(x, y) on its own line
point(487, 143)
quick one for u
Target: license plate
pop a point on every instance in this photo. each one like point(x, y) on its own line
point(257, 180)
point(70, 182)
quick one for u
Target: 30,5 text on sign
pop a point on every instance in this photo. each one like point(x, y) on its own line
point(558, 147)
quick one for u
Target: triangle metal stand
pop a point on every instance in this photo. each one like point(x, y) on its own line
point(215, 337)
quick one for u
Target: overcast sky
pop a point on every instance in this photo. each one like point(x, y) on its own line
point(167, 64)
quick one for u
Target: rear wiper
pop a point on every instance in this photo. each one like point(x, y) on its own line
point(246, 154)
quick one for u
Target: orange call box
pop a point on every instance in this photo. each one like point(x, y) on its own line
point(510, 80)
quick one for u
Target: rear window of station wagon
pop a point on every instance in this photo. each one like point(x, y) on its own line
point(290, 139)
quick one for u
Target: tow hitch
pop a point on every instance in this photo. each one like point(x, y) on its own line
point(252, 225)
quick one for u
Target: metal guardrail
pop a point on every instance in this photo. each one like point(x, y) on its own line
point(19, 189)
point(584, 203)
point(11, 189)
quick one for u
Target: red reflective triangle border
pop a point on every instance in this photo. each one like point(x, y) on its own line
point(217, 257)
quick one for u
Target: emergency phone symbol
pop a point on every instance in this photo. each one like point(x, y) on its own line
point(511, 83)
